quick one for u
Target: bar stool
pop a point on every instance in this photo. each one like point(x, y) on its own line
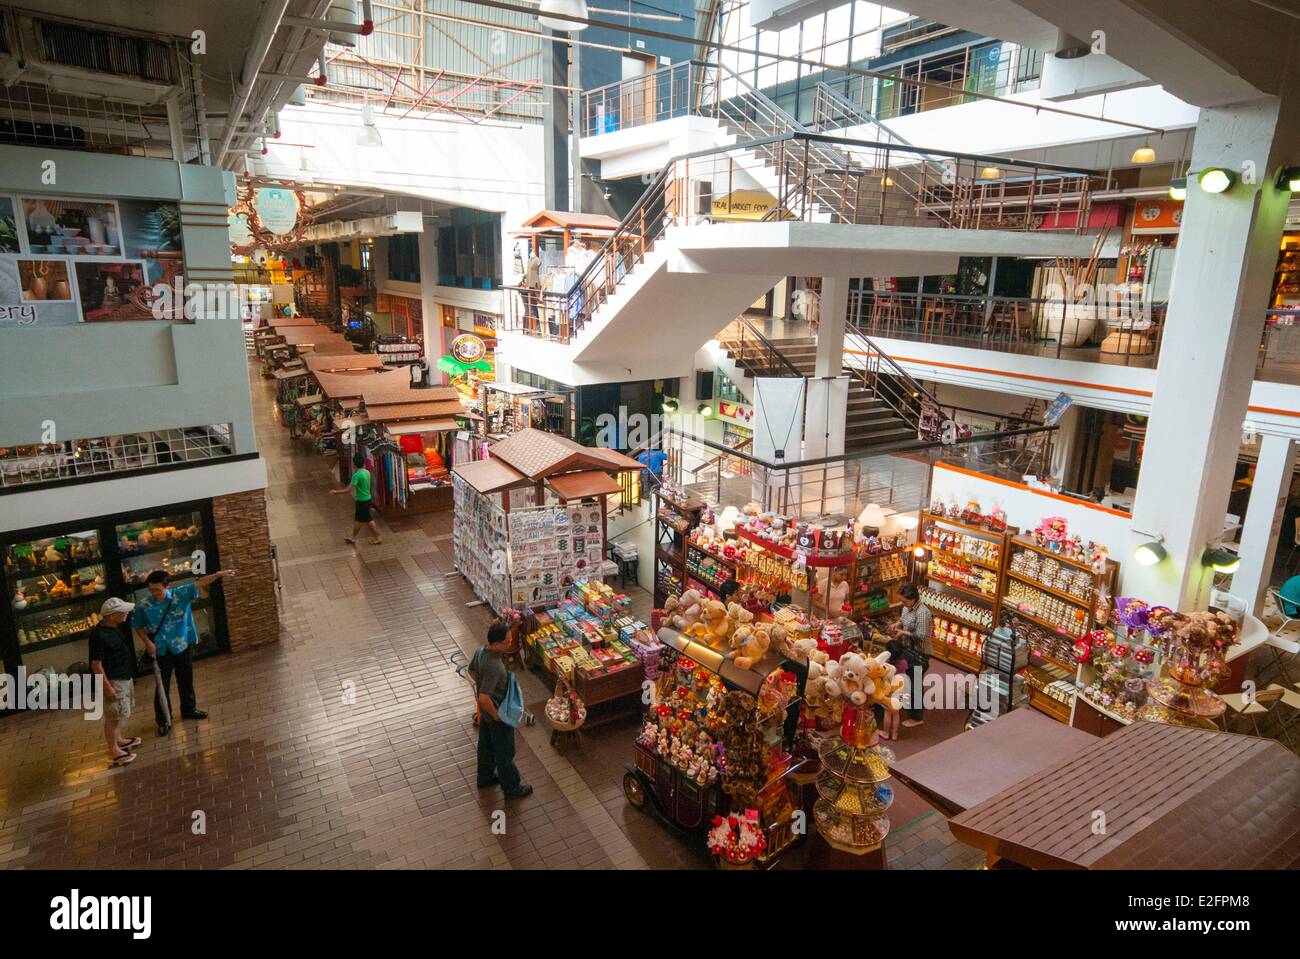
point(1007, 321)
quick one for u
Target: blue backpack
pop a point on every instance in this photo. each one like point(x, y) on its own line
point(511, 709)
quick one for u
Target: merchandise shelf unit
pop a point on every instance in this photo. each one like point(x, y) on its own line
point(876, 575)
point(675, 517)
point(1055, 593)
point(959, 548)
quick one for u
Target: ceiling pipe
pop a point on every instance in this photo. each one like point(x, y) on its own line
point(365, 28)
point(319, 80)
point(263, 36)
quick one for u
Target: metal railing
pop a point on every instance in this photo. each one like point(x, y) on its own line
point(754, 351)
point(1279, 347)
point(1130, 332)
point(981, 193)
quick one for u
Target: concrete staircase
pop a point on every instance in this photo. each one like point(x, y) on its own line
point(869, 421)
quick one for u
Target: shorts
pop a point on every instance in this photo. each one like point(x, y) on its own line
point(362, 514)
point(120, 708)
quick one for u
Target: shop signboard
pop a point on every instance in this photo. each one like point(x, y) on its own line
point(468, 348)
point(736, 411)
point(277, 209)
point(66, 260)
point(742, 205)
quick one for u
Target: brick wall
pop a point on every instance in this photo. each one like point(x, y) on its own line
point(244, 544)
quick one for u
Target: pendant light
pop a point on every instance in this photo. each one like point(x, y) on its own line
point(990, 173)
point(572, 8)
point(369, 133)
point(1143, 154)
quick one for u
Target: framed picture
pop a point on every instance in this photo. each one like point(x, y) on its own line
point(65, 226)
point(8, 227)
point(108, 291)
point(44, 280)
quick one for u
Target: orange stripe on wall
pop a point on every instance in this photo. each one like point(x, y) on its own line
point(1014, 485)
point(1023, 376)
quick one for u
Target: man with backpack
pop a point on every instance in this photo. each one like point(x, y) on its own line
point(496, 730)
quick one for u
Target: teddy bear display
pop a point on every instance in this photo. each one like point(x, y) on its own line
point(682, 612)
point(847, 678)
point(749, 645)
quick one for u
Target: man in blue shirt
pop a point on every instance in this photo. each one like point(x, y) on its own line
point(653, 461)
point(164, 623)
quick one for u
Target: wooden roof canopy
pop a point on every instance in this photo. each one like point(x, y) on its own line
point(563, 220)
point(1174, 798)
point(572, 470)
point(349, 386)
point(342, 362)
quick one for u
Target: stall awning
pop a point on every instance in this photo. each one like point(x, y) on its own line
point(488, 476)
point(319, 362)
point(422, 426)
point(750, 680)
point(389, 391)
point(538, 454)
point(563, 219)
point(311, 400)
point(569, 486)
point(288, 374)
point(406, 411)
point(349, 386)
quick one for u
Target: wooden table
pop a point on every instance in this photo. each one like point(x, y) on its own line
point(969, 768)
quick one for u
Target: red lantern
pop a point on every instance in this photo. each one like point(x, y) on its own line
point(1082, 652)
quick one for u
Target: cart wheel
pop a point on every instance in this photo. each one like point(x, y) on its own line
point(634, 790)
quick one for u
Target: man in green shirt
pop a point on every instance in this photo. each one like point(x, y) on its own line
point(360, 489)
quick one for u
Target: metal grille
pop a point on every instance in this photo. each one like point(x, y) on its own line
point(124, 56)
point(113, 455)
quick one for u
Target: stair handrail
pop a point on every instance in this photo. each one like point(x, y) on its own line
point(738, 448)
point(769, 347)
point(859, 112)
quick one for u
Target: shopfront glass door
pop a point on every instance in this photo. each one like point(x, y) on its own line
point(55, 586)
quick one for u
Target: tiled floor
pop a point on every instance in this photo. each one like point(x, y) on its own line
point(349, 743)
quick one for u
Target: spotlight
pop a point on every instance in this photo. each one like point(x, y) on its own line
point(919, 552)
point(1178, 188)
point(1216, 180)
point(574, 8)
point(1221, 560)
point(670, 405)
point(990, 173)
point(1289, 179)
point(705, 410)
point(1148, 554)
point(1143, 154)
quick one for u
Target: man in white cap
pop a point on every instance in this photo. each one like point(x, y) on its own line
point(112, 657)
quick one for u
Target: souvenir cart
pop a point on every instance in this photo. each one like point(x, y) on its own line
point(714, 754)
point(531, 520)
point(590, 643)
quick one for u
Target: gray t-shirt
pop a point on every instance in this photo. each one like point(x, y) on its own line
point(491, 676)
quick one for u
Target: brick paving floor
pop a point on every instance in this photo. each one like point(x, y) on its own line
point(349, 743)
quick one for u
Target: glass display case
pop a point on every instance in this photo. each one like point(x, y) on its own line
point(55, 586)
point(55, 579)
point(175, 543)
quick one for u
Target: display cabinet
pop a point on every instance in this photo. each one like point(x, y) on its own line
point(57, 578)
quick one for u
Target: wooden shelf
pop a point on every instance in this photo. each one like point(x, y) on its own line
point(714, 556)
point(962, 524)
point(1011, 607)
point(1068, 667)
point(963, 621)
point(990, 598)
point(1061, 594)
point(953, 656)
point(1059, 557)
point(1049, 706)
point(962, 558)
point(668, 556)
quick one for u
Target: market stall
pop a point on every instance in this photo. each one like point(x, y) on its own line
point(538, 506)
point(510, 407)
point(409, 440)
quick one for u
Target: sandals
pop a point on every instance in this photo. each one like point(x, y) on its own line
point(122, 760)
point(349, 540)
point(132, 744)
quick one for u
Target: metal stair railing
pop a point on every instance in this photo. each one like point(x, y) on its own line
point(755, 352)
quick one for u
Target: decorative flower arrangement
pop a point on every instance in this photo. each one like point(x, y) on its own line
point(1052, 529)
point(737, 838)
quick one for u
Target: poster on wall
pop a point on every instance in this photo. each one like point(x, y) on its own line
point(66, 260)
point(551, 548)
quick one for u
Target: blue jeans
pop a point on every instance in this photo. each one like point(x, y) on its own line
point(496, 755)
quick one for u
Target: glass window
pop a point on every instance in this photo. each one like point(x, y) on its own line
point(55, 587)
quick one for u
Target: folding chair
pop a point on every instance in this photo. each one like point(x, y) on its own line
point(1287, 600)
point(1260, 705)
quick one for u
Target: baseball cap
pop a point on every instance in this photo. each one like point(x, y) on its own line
point(115, 605)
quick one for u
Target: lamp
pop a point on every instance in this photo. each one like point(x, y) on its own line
point(1143, 154)
point(1148, 554)
point(369, 134)
point(705, 410)
point(1070, 47)
point(871, 519)
point(574, 8)
point(670, 405)
point(1220, 559)
point(990, 173)
point(886, 181)
point(907, 521)
point(1216, 180)
point(1178, 188)
point(919, 551)
point(1289, 179)
point(727, 521)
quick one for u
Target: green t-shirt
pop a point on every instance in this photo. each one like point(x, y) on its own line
point(361, 485)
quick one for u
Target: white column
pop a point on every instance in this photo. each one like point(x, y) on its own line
point(1263, 521)
point(832, 313)
point(1227, 250)
point(428, 251)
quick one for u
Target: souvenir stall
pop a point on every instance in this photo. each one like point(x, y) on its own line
point(563, 244)
point(409, 437)
point(268, 335)
point(596, 653)
point(509, 407)
point(714, 753)
point(341, 407)
point(531, 519)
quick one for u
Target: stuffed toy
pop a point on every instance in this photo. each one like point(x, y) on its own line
point(884, 682)
point(806, 649)
point(715, 618)
point(748, 645)
point(847, 678)
point(680, 612)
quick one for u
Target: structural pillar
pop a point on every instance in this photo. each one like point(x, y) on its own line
point(1260, 532)
point(555, 121)
point(832, 316)
point(431, 315)
point(1227, 250)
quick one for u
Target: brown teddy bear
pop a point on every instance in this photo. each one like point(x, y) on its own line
point(748, 645)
